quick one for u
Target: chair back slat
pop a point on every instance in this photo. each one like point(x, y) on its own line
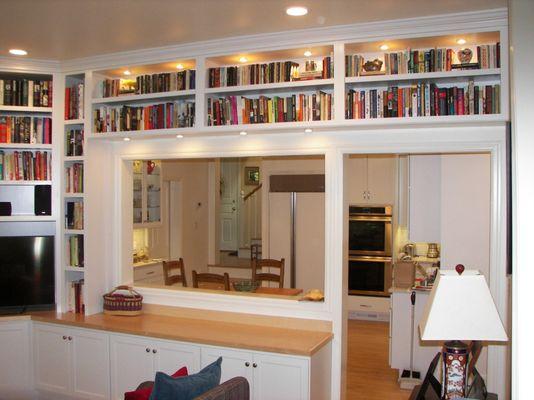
point(268, 276)
point(172, 266)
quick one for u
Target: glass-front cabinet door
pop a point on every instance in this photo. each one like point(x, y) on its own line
point(146, 193)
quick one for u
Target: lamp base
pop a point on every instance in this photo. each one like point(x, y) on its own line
point(455, 355)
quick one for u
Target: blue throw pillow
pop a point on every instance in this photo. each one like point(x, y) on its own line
point(186, 387)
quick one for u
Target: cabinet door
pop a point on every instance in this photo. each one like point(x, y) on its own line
point(400, 330)
point(235, 363)
point(356, 179)
point(15, 348)
point(51, 358)
point(278, 377)
point(90, 364)
point(170, 357)
point(131, 364)
point(381, 178)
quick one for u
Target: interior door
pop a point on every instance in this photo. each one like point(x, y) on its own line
point(229, 203)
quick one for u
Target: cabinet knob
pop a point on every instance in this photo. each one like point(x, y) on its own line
point(64, 337)
point(147, 350)
point(154, 351)
point(70, 337)
point(247, 364)
point(254, 365)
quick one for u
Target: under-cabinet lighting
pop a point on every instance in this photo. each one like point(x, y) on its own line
point(308, 130)
point(243, 133)
point(243, 59)
point(307, 53)
point(180, 66)
point(127, 72)
point(126, 139)
point(18, 52)
point(461, 41)
point(384, 47)
point(179, 136)
point(296, 11)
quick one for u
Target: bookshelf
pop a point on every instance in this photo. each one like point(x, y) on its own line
point(73, 191)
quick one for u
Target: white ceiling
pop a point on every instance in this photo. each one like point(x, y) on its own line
point(67, 29)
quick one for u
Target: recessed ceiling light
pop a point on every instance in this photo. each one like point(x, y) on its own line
point(308, 130)
point(307, 53)
point(296, 11)
point(461, 41)
point(179, 136)
point(18, 52)
point(384, 47)
point(243, 133)
point(126, 139)
point(243, 59)
point(127, 72)
point(180, 66)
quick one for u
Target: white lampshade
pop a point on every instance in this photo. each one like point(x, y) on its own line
point(460, 307)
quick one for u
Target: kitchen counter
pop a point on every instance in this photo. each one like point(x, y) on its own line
point(146, 263)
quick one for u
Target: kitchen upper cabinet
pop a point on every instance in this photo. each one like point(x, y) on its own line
point(15, 350)
point(371, 179)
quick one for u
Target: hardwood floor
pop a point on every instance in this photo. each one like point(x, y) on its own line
point(368, 374)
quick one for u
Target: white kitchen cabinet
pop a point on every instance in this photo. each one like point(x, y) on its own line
point(147, 182)
point(137, 359)
point(15, 346)
point(80, 360)
point(149, 273)
point(271, 377)
point(371, 179)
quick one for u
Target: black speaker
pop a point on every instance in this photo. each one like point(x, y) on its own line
point(43, 200)
point(5, 208)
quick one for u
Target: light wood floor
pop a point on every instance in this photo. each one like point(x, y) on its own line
point(368, 374)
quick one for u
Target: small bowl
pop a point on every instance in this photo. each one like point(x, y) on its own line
point(246, 286)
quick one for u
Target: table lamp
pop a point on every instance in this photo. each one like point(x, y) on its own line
point(460, 308)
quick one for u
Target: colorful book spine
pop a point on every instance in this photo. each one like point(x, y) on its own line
point(25, 92)
point(74, 251)
point(74, 102)
point(26, 166)
point(74, 215)
point(31, 130)
point(74, 142)
point(74, 178)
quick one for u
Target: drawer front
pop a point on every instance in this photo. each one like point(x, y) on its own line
point(148, 272)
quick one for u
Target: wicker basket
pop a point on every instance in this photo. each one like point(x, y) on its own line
point(123, 300)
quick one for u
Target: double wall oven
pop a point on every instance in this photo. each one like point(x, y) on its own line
point(370, 242)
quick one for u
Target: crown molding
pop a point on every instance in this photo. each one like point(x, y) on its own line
point(486, 20)
point(29, 65)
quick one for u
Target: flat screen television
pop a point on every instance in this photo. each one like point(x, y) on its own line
point(26, 273)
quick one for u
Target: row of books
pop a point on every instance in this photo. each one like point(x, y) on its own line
point(274, 72)
point(74, 101)
point(432, 60)
point(74, 178)
point(422, 99)
point(29, 130)
point(74, 142)
point(74, 215)
point(75, 294)
point(144, 84)
point(25, 92)
point(178, 114)
point(74, 251)
point(232, 110)
point(25, 166)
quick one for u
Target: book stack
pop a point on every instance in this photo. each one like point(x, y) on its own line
point(233, 110)
point(25, 166)
point(74, 215)
point(74, 142)
point(422, 99)
point(252, 74)
point(178, 114)
point(74, 178)
point(25, 92)
point(75, 251)
point(154, 83)
point(75, 301)
point(25, 130)
point(353, 65)
point(74, 102)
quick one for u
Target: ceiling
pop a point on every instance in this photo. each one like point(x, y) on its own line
point(67, 29)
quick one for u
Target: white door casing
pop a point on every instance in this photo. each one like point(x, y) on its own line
point(229, 203)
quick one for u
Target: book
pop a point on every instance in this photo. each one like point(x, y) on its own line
point(26, 166)
point(15, 129)
point(74, 142)
point(74, 178)
point(74, 215)
point(74, 102)
point(74, 251)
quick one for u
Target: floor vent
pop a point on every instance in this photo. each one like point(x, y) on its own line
point(369, 315)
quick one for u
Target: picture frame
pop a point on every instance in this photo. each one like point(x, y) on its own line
point(252, 176)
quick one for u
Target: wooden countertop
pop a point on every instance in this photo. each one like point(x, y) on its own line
point(201, 331)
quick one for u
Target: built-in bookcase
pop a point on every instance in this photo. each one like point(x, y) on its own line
point(73, 193)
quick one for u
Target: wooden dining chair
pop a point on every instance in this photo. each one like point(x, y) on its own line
point(223, 280)
point(169, 272)
point(268, 276)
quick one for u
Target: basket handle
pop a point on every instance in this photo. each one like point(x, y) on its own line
point(125, 287)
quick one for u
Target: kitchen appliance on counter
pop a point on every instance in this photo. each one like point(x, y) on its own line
point(370, 243)
point(433, 251)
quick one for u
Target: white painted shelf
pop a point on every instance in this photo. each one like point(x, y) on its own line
point(26, 109)
point(26, 146)
point(425, 76)
point(74, 231)
point(143, 97)
point(73, 158)
point(27, 218)
point(74, 121)
point(74, 269)
point(282, 86)
point(145, 134)
point(24, 183)
point(74, 195)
